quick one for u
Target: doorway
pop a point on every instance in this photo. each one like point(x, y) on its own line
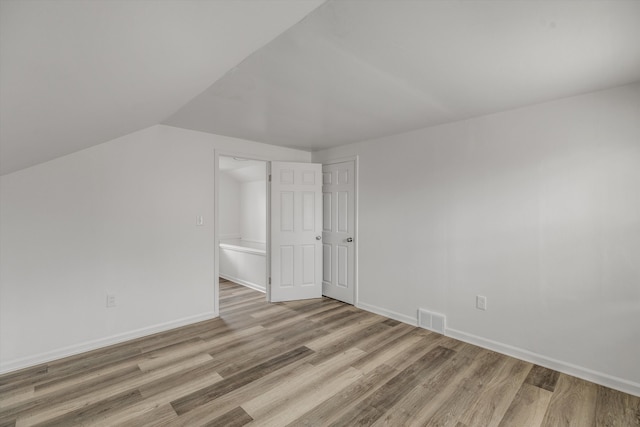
point(229, 233)
point(242, 221)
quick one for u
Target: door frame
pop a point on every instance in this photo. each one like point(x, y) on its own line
point(216, 221)
point(356, 163)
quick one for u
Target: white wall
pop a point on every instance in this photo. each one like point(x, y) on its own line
point(253, 208)
point(229, 207)
point(243, 203)
point(537, 208)
point(115, 218)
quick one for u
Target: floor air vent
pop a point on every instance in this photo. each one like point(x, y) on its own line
point(432, 321)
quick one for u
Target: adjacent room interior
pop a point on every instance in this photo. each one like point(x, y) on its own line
point(424, 212)
point(242, 213)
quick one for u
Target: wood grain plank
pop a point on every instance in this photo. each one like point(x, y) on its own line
point(432, 391)
point(244, 360)
point(187, 403)
point(92, 413)
point(161, 397)
point(47, 405)
point(372, 408)
point(15, 396)
point(309, 362)
point(179, 376)
point(217, 407)
point(346, 342)
point(294, 389)
point(156, 416)
point(497, 393)
point(543, 377)
point(385, 337)
point(344, 400)
point(27, 376)
point(408, 347)
point(286, 410)
point(461, 391)
point(616, 409)
point(528, 407)
point(573, 403)
point(237, 417)
point(341, 333)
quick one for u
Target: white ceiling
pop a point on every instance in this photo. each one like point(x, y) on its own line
point(355, 70)
point(78, 73)
point(81, 72)
point(243, 170)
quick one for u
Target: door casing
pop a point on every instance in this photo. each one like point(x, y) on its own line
point(225, 153)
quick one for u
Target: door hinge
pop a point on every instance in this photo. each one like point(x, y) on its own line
point(269, 280)
point(269, 177)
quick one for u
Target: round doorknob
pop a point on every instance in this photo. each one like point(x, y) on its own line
point(349, 239)
point(318, 237)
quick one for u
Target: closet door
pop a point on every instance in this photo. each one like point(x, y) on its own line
point(338, 231)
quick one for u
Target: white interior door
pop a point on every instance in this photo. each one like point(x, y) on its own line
point(296, 231)
point(338, 231)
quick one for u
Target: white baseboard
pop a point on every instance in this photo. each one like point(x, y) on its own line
point(26, 362)
point(528, 356)
point(251, 285)
point(262, 242)
point(557, 365)
point(388, 313)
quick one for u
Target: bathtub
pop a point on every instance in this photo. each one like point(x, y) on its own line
point(244, 262)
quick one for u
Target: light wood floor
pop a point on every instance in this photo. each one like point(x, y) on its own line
point(314, 362)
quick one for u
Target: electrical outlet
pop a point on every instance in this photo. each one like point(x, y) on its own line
point(481, 302)
point(111, 300)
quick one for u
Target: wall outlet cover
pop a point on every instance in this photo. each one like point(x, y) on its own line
point(481, 302)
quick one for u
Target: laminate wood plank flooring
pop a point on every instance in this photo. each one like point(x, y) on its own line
point(303, 363)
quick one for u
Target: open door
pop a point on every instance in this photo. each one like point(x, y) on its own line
point(338, 231)
point(296, 231)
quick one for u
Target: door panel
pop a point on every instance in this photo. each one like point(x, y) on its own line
point(308, 265)
point(342, 211)
point(326, 211)
point(326, 262)
point(286, 265)
point(338, 278)
point(296, 229)
point(343, 266)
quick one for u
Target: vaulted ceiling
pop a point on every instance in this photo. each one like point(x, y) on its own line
point(75, 73)
point(78, 73)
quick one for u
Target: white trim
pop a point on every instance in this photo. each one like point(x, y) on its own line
point(216, 230)
point(606, 380)
point(388, 313)
point(548, 362)
point(251, 285)
point(26, 362)
point(243, 249)
point(264, 242)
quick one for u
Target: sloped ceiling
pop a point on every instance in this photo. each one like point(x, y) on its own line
point(81, 72)
point(78, 73)
point(356, 70)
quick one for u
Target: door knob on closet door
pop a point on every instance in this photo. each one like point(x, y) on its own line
point(349, 239)
point(318, 237)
